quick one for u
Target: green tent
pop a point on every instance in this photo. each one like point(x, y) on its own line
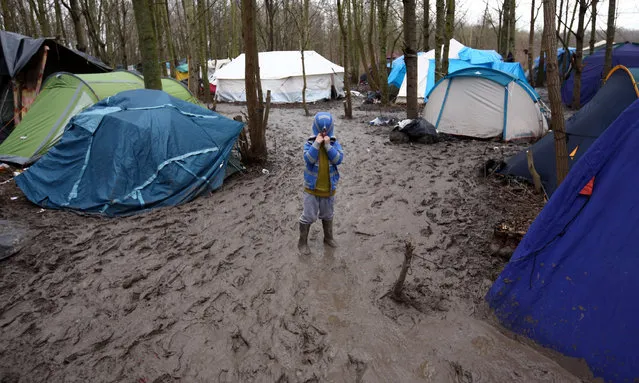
point(63, 95)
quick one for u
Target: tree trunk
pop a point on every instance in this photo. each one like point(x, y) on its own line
point(160, 34)
point(169, 39)
point(148, 44)
point(357, 15)
point(531, 41)
point(41, 11)
point(375, 78)
point(558, 125)
point(450, 26)
point(271, 8)
point(203, 64)
point(7, 16)
point(439, 38)
point(505, 28)
point(80, 33)
point(410, 58)
point(254, 102)
point(382, 12)
point(348, 106)
point(579, 54)
point(426, 28)
point(193, 49)
point(512, 27)
point(593, 25)
point(235, 45)
point(303, 41)
point(354, 58)
point(93, 27)
point(60, 32)
point(610, 37)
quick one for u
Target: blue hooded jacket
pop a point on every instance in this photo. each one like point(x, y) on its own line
point(322, 120)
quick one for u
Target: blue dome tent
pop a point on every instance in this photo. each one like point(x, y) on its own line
point(134, 151)
point(572, 283)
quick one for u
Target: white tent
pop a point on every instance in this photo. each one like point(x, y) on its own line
point(214, 66)
point(281, 73)
point(423, 63)
point(485, 103)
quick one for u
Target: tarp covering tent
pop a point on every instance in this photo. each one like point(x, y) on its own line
point(473, 57)
point(626, 54)
point(563, 60)
point(572, 283)
point(63, 96)
point(24, 62)
point(485, 103)
point(213, 67)
point(137, 150)
point(582, 129)
point(281, 73)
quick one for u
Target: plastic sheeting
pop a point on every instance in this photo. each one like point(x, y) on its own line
point(134, 151)
point(572, 283)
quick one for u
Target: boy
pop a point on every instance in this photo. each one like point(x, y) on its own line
point(322, 154)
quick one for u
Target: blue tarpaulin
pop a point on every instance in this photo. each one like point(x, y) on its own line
point(478, 56)
point(572, 283)
point(134, 151)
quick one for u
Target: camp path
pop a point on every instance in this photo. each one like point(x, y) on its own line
point(215, 290)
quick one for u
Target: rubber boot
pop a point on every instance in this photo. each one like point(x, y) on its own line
point(328, 233)
point(302, 245)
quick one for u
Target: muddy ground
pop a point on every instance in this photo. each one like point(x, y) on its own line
point(215, 290)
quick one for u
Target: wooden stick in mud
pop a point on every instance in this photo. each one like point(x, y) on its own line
point(267, 108)
point(531, 168)
point(408, 257)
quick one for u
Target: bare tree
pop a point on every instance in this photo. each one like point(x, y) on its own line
point(579, 52)
point(426, 27)
point(410, 58)
point(382, 11)
point(254, 101)
point(348, 107)
point(303, 42)
point(448, 34)
point(531, 41)
point(557, 121)
point(148, 44)
point(76, 16)
point(610, 36)
point(8, 21)
point(439, 38)
point(593, 25)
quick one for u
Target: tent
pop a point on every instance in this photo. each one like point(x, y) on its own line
point(281, 73)
point(572, 283)
point(64, 95)
point(425, 64)
point(485, 103)
point(24, 62)
point(626, 54)
point(582, 129)
point(137, 150)
point(563, 60)
point(213, 67)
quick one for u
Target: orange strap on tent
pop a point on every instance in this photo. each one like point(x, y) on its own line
point(587, 190)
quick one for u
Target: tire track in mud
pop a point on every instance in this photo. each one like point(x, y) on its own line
point(215, 290)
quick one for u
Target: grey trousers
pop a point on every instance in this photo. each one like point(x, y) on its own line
point(317, 207)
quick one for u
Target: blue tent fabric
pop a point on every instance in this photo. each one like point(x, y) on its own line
point(398, 71)
point(478, 56)
point(572, 283)
point(514, 69)
point(626, 54)
point(582, 129)
point(137, 150)
point(454, 65)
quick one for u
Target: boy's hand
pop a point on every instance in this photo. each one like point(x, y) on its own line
point(327, 140)
point(319, 139)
